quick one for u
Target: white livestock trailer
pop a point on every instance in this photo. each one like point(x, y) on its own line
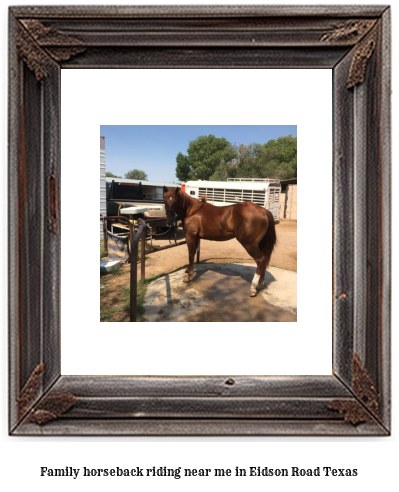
point(262, 191)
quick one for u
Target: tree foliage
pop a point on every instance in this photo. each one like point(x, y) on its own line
point(216, 159)
point(183, 167)
point(204, 155)
point(136, 174)
point(280, 157)
point(108, 174)
point(274, 159)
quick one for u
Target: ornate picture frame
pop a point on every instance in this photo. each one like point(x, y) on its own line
point(353, 42)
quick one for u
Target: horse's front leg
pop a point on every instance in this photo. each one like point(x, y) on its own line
point(192, 245)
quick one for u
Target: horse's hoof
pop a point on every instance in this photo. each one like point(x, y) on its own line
point(253, 293)
point(187, 279)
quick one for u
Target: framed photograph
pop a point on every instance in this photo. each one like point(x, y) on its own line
point(353, 44)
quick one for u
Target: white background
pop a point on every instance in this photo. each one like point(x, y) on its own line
point(21, 458)
point(196, 97)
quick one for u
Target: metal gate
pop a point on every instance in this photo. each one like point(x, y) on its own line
point(273, 201)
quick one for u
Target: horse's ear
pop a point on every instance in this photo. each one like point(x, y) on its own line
point(177, 190)
point(165, 189)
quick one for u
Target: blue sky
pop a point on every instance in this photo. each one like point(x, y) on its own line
point(153, 149)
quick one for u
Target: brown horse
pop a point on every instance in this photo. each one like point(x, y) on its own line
point(252, 225)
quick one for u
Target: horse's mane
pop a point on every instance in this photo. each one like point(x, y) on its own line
point(191, 201)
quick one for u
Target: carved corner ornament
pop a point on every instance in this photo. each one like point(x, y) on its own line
point(363, 53)
point(30, 391)
point(367, 405)
point(363, 33)
point(51, 407)
point(39, 46)
point(351, 31)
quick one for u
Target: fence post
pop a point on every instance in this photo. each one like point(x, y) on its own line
point(133, 275)
point(133, 267)
point(143, 236)
point(105, 234)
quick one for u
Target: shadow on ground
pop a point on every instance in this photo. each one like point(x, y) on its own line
point(219, 292)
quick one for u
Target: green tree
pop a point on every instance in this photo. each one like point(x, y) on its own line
point(136, 174)
point(111, 175)
point(183, 167)
point(279, 157)
point(274, 159)
point(224, 171)
point(204, 155)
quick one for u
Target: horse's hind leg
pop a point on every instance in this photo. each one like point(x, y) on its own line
point(267, 244)
point(260, 259)
point(261, 282)
point(192, 245)
point(265, 264)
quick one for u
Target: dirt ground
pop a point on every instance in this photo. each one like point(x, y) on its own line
point(113, 287)
point(219, 292)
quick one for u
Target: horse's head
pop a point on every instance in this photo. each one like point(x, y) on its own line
point(171, 200)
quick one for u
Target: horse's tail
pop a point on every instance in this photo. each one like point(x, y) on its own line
point(269, 240)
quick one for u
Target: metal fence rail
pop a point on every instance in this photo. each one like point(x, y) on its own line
point(134, 239)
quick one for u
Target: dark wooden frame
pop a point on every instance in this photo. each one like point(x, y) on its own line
point(353, 41)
